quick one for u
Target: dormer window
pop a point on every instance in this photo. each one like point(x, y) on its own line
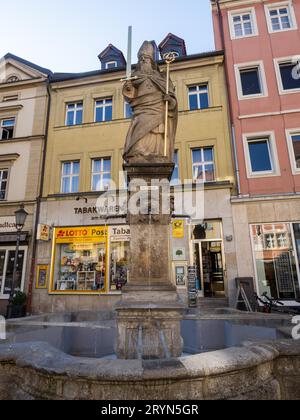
point(111, 65)
point(173, 43)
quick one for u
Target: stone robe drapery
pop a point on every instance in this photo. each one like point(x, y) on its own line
point(145, 138)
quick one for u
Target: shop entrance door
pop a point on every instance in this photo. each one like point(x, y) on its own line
point(209, 262)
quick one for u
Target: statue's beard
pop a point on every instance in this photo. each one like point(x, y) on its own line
point(146, 68)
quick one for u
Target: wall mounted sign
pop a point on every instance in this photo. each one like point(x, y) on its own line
point(178, 229)
point(8, 224)
point(42, 277)
point(43, 233)
point(179, 254)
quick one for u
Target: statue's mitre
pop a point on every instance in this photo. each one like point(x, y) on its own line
point(147, 50)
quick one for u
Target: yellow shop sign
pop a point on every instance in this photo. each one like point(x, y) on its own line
point(178, 229)
point(84, 234)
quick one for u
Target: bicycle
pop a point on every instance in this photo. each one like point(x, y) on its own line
point(271, 305)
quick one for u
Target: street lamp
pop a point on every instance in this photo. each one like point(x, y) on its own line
point(21, 216)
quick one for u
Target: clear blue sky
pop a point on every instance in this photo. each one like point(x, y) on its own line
point(67, 35)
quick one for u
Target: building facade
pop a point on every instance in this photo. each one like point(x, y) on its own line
point(261, 43)
point(84, 263)
point(23, 115)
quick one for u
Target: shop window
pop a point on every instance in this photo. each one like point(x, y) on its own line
point(275, 260)
point(101, 174)
point(79, 260)
point(119, 265)
point(7, 258)
point(70, 177)
point(203, 164)
point(74, 113)
point(3, 183)
point(103, 110)
point(198, 97)
point(7, 128)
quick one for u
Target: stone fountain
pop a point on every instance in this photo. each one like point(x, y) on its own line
point(149, 315)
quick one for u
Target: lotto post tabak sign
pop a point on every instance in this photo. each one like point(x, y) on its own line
point(85, 234)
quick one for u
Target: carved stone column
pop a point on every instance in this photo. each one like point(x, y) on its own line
point(150, 313)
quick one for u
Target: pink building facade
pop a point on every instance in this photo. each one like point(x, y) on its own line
point(261, 40)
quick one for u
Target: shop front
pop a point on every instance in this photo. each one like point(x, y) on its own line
point(209, 259)
point(8, 241)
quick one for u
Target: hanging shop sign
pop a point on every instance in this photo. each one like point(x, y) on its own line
point(43, 233)
point(178, 229)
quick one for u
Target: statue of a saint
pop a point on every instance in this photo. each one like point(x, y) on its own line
point(147, 94)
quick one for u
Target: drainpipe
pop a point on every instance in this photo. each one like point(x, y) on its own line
point(229, 97)
point(38, 204)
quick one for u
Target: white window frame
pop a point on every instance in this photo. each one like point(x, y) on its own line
point(71, 176)
point(78, 106)
point(7, 249)
point(198, 92)
point(262, 77)
point(111, 62)
point(289, 133)
point(2, 128)
point(204, 163)
point(282, 60)
point(103, 106)
point(233, 13)
point(101, 173)
point(1, 180)
point(292, 16)
point(270, 136)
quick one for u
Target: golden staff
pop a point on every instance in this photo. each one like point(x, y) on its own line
point(169, 58)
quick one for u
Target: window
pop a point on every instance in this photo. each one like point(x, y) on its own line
point(203, 164)
point(7, 129)
point(127, 110)
point(198, 97)
point(260, 155)
point(70, 177)
point(74, 114)
point(280, 17)
point(103, 110)
point(293, 139)
point(111, 65)
point(3, 183)
point(7, 258)
point(289, 76)
point(101, 174)
point(79, 261)
point(243, 24)
point(275, 258)
point(175, 177)
point(251, 81)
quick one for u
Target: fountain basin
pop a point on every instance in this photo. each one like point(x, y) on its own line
point(262, 365)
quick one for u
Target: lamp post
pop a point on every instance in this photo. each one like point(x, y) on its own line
point(21, 216)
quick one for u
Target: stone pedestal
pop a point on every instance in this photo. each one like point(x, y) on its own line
point(150, 313)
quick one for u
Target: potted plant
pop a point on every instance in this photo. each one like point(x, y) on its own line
point(17, 307)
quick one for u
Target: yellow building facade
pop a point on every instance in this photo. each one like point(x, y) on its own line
point(86, 258)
